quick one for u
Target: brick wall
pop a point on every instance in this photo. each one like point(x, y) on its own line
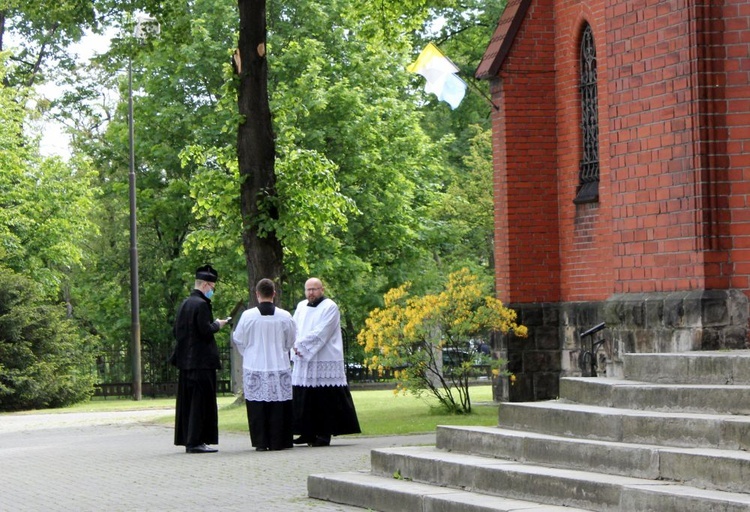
point(674, 117)
point(527, 250)
point(585, 230)
point(732, 103)
point(672, 227)
point(679, 95)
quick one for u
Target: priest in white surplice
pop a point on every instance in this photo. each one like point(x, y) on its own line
point(264, 336)
point(323, 405)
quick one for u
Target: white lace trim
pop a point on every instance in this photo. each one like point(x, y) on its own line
point(318, 373)
point(310, 346)
point(274, 386)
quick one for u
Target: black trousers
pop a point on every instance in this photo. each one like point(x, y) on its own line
point(196, 415)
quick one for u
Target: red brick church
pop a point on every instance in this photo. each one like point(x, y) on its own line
point(622, 180)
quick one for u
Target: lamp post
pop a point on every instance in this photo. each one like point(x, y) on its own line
point(144, 26)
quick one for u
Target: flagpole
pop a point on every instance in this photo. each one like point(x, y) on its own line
point(482, 94)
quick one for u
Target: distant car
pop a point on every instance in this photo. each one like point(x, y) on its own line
point(454, 357)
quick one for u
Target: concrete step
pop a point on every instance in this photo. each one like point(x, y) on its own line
point(562, 418)
point(672, 436)
point(704, 367)
point(705, 468)
point(627, 394)
point(388, 494)
point(549, 485)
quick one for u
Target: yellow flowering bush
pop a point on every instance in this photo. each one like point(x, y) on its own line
point(415, 335)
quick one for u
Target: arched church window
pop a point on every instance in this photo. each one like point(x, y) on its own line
point(588, 169)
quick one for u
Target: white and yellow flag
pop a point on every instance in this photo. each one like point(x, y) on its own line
point(440, 73)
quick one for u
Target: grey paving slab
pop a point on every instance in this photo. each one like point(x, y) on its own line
point(121, 462)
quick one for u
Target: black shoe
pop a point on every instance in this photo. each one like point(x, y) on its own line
point(261, 449)
point(201, 448)
point(304, 440)
point(321, 441)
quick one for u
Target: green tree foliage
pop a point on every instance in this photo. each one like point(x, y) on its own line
point(357, 111)
point(364, 174)
point(42, 34)
point(459, 228)
point(414, 334)
point(43, 209)
point(377, 183)
point(44, 220)
point(180, 80)
point(45, 358)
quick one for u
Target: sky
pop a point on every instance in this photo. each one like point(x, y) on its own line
point(54, 141)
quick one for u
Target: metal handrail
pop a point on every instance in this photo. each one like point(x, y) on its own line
point(588, 357)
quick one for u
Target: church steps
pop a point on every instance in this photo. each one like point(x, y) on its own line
point(625, 394)
point(726, 367)
point(388, 494)
point(540, 484)
point(567, 419)
point(701, 467)
point(672, 436)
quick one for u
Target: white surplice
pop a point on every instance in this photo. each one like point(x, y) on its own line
point(264, 342)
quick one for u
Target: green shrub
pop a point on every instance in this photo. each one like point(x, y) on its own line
point(416, 335)
point(46, 360)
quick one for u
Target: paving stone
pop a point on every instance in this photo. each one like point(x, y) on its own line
point(115, 462)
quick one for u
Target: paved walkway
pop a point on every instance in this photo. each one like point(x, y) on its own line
point(121, 462)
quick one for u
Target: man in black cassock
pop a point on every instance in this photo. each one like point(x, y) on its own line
point(197, 357)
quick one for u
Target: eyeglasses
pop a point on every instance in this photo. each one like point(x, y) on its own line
point(312, 289)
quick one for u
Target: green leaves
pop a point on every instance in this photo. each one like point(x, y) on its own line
point(44, 206)
point(375, 183)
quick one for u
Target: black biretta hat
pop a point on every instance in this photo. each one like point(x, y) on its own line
point(206, 273)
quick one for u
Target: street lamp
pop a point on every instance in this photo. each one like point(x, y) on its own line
point(144, 26)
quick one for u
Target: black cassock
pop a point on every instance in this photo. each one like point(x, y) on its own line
point(196, 416)
point(197, 357)
point(326, 411)
point(270, 424)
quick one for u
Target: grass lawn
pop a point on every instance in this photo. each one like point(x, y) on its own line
point(380, 412)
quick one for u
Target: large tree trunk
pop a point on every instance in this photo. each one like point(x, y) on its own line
point(256, 147)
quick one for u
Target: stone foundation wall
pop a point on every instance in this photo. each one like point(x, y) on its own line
point(641, 323)
point(675, 322)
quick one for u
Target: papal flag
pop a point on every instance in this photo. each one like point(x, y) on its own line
point(440, 73)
